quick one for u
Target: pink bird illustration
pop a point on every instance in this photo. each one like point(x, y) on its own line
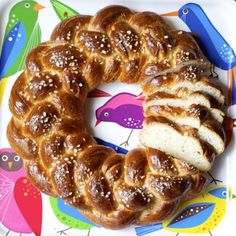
point(20, 202)
point(124, 109)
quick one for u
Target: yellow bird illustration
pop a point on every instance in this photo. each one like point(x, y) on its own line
point(197, 216)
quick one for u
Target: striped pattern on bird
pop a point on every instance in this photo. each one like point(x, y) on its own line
point(197, 216)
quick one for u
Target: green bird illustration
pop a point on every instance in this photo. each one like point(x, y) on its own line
point(69, 216)
point(62, 10)
point(22, 34)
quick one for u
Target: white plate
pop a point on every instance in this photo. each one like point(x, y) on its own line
point(222, 16)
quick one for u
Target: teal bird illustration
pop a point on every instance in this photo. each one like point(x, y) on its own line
point(62, 10)
point(69, 216)
point(197, 216)
point(22, 34)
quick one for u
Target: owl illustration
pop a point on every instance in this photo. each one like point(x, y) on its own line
point(20, 202)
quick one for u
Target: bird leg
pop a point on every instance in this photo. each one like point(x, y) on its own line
point(62, 232)
point(213, 179)
point(88, 232)
point(210, 233)
point(126, 143)
point(177, 234)
point(213, 72)
point(8, 232)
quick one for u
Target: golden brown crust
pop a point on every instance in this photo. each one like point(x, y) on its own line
point(48, 126)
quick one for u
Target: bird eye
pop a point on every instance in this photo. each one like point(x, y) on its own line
point(185, 11)
point(224, 193)
point(106, 114)
point(27, 5)
point(16, 158)
point(4, 157)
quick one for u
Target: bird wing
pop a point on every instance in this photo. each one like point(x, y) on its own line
point(6, 191)
point(13, 59)
point(13, 45)
point(70, 211)
point(62, 10)
point(121, 99)
point(33, 41)
point(191, 216)
point(69, 216)
point(29, 202)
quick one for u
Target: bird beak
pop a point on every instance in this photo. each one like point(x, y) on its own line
point(98, 93)
point(38, 7)
point(97, 122)
point(10, 163)
point(140, 97)
point(234, 196)
point(173, 13)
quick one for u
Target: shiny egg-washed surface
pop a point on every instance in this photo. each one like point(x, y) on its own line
point(48, 125)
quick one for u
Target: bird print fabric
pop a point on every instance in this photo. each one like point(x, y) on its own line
point(20, 202)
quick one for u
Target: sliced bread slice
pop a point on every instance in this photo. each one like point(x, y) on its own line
point(197, 98)
point(196, 117)
point(171, 83)
point(181, 142)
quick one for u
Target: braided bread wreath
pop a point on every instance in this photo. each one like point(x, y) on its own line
point(182, 130)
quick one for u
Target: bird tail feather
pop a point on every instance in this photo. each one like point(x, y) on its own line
point(231, 84)
point(234, 76)
point(3, 83)
point(143, 230)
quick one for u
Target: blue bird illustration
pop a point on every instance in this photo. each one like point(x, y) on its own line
point(213, 44)
point(69, 216)
point(22, 34)
point(198, 216)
